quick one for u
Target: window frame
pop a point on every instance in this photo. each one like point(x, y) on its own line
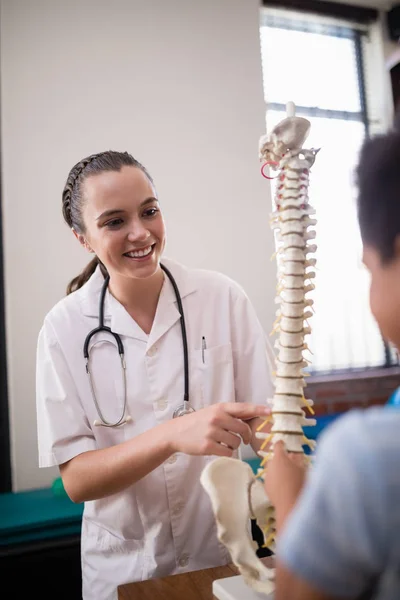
point(362, 116)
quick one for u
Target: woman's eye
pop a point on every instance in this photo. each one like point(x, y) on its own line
point(151, 212)
point(114, 223)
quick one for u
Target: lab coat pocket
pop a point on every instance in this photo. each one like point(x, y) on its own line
point(218, 383)
point(109, 560)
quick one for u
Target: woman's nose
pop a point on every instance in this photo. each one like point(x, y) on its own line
point(138, 233)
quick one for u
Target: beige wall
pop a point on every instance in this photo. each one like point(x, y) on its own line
point(178, 83)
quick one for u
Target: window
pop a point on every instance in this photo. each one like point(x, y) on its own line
point(319, 64)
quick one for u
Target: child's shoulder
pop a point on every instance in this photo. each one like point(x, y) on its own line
point(361, 435)
point(380, 422)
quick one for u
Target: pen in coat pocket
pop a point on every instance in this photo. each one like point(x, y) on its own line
point(203, 346)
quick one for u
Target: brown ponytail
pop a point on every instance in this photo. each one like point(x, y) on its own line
point(72, 199)
point(78, 281)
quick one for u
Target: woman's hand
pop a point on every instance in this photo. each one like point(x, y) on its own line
point(215, 430)
point(283, 480)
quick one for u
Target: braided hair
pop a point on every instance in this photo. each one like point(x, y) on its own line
point(72, 198)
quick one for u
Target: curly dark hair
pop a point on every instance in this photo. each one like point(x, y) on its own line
point(378, 202)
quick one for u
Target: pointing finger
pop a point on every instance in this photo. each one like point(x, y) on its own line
point(246, 410)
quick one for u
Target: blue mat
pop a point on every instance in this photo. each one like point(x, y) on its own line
point(37, 514)
point(313, 432)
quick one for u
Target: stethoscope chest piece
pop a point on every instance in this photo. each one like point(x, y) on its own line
point(181, 411)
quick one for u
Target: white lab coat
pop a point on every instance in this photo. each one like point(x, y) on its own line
point(163, 524)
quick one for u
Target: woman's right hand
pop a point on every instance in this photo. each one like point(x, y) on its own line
point(217, 430)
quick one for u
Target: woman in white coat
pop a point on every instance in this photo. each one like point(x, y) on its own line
point(145, 512)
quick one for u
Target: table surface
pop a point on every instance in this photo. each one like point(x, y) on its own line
point(195, 585)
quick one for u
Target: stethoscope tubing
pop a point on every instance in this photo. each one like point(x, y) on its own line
point(185, 408)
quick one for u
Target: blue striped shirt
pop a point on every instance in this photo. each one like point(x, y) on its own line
point(344, 535)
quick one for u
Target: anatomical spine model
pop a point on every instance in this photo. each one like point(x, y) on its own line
point(236, 494)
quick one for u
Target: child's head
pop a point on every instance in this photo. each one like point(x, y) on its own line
point(379, 219)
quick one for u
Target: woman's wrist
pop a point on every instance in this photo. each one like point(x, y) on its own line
point(168, 437)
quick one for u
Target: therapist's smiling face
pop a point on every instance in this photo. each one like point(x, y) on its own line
point(123, 222)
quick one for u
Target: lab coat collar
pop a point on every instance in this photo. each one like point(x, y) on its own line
point(118, 318)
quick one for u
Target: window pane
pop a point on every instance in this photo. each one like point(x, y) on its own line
point(344, 333)
point(309, 68)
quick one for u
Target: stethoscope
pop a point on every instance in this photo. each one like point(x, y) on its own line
point(182, 410)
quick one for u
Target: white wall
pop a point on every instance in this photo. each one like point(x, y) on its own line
point(176, 82)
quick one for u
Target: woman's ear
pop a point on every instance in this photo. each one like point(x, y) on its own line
point(82, 240)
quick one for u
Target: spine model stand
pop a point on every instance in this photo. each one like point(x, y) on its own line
point(291, 221)
point(236, 494)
